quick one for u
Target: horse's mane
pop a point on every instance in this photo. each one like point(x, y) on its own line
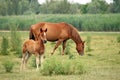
point(74, 33)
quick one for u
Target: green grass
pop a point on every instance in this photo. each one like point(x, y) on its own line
point(103, 62)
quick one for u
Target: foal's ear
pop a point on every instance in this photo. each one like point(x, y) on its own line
point(41, 30)
point(46, 30)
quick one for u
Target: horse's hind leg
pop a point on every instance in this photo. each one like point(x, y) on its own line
point(64, 46)
point(57, 44)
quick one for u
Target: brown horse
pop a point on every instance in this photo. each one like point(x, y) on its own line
point(59, 32)
point(34, 47)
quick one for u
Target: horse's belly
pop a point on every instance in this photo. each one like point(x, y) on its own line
point(53, 35)
point(52, 38)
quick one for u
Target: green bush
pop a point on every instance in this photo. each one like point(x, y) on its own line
point(88, 43)
point(68, 50)
point(55, 66)
point(4, 46)
point(118, 39)
point(16, 40)
point(8, 65)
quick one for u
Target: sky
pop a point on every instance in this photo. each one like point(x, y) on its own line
point(77, 1)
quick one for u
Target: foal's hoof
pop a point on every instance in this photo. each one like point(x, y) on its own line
point(37, 69)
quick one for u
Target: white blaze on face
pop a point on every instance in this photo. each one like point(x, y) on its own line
point(44, 34)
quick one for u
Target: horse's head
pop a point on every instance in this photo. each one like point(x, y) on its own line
point(43, 35)
point(80, 48)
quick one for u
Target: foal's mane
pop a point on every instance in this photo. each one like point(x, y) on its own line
point(73, 32)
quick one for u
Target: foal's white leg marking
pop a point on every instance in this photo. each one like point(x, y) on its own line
point(42, 60)
point(37, 62)
point(22, 63)
point(26, 59)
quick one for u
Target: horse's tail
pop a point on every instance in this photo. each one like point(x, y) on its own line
point(31, 36)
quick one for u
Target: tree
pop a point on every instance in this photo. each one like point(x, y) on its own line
point(18, 7)
point(23, 6)
point(64, 7)
point(34, 6)
point(116, 6)
point(103, 6)
point(60, 6)
point(97, 6)
point(83, 8)
point(93, 7)
point(3, 7)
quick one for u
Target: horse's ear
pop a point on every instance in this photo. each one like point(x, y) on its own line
point(46, 30)
point(83, 41)
point(41, 30)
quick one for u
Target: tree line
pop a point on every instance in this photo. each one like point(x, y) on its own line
point(26, 7)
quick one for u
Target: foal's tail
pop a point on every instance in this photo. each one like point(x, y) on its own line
point(31, 36)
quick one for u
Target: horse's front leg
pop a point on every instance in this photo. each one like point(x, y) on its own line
point(57, 44)
point(63, 46)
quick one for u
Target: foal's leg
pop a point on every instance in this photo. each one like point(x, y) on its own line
point(26, 58)
point(57, 44)
point(23, 61)
point(42, 60)
point(63, 46)
point(37, 61)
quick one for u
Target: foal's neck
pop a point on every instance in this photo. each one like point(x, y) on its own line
point(40, 42)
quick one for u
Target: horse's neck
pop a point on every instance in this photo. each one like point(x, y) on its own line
point(75, 37)
point(77, 40)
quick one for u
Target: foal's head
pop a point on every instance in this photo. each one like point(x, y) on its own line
point(80, 48)
point(42, 35)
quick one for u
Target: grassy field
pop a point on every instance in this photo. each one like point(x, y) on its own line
point(102, 62)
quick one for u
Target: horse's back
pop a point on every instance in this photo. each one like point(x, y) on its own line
point(29, 45)
point(54, 32)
